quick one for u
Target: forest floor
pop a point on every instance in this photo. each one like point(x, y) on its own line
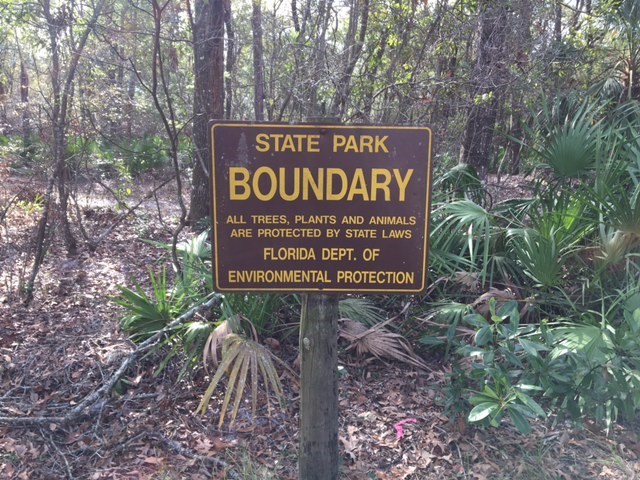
point(64, 345)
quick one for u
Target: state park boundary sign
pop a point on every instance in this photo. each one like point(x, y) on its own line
point(320, 208)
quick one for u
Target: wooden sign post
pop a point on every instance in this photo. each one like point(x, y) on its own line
point(318, 449)
point(320, 209)
point(318, 457)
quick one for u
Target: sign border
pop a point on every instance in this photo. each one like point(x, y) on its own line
point(427, 229)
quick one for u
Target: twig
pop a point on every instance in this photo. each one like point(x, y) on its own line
point(129, 211)
point(464, 470)
point(86, 407)
point(185, 452)
point(5, 210)
point(83, 231)
point(461, 330)
point(177, 448)
point(60, 452)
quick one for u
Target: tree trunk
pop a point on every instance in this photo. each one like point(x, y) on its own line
point(24, 98)
point(352, 50)
point(523, 45)
point(371, 73)
point(317, 61)
point(231, 59)
point(258, 61)
point(208, 97)
point(489, 76)
point(62, 88)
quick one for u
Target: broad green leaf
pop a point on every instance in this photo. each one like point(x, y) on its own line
point(482, 411)
point(530, 403)
point(519, 420)
point(532, 348)
point(475, 320)
point(483, 336)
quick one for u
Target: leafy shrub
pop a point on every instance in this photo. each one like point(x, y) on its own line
point(144, 154)
point(570, 255)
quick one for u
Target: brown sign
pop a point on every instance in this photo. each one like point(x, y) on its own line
point(309, 208)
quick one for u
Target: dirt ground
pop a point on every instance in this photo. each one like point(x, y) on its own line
point(67, 342)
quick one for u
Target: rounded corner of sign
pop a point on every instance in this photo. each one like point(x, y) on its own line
point(213, 124)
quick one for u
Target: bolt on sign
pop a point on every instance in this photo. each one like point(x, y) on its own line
point(320, 208)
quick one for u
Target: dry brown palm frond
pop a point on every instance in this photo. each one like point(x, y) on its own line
point(239, 356)
point(469, 280)
point(216, 339)
point(214, 343)
point(481, 304)
point(379, 342)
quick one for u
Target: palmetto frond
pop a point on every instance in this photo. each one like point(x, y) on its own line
point(570, 137)
point(361, 309)
point(539, 255)
point(379, 342)
point(239, 357)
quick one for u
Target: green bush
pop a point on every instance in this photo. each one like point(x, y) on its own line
point(569, 256)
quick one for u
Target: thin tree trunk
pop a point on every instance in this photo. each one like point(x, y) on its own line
point(24, 98)
point(208, 42)
point(62, 92)
point(318, 59)
point(62, 96)
point(371, 74)
point(353, 49)
point(231, 59)
point(258, 61)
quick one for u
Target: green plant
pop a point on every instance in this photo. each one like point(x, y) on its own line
point(462, 233)
point(539, 256)
point(361, 310)
point(498, 362)
point(31, 206)
point(460, 182)
point(600, 356)
point(147, 314)
point(493, 402)
point(569, 135)
point(571, 252)
point(144, 154)
point(260, 309)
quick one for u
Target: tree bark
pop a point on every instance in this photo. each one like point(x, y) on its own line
point(231, 59)
point(489, 75)
point(208, 97)
point(24, 99)
point(258, 61)
point(352, 51)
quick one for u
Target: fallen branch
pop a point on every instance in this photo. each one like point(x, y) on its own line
point(185, 452)
point(87, 407)
point(130, 210)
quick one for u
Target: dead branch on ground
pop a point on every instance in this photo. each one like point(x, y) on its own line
point(87, 407)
